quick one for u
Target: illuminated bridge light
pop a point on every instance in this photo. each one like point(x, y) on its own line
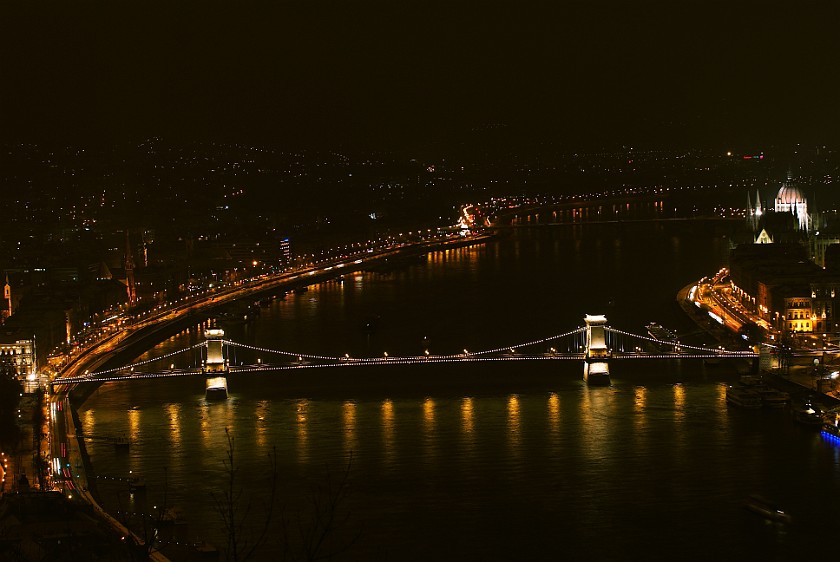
point(504, 353)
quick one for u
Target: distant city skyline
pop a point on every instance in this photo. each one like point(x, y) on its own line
point(378, 75)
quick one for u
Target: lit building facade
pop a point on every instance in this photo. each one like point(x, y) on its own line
point(798, 314)
point(773, 280)
point(285, 251)
point(823, 305)
point(786, 289)
point(17, 356)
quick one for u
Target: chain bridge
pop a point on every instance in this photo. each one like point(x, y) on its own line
point(595, 344)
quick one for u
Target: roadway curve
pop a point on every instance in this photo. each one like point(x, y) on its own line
point(134, 338)
point(67, 452)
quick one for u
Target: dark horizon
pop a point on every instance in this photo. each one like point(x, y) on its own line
point(375, 76)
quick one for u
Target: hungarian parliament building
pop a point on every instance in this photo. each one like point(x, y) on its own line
point(790, 273)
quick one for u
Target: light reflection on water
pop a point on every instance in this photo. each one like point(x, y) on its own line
point(88, 421)
point(302, 425)
point(640, 420)
point(468, 432)
point(492, 463)
point(134, 421)
point(721, 392)
point(349, 426)
point(514, 422)
point(679, 402)
point(206, 429)
point(595, 422)
point(430, 436)
point(173, 412)
point(554, 413)
point(262, 412)
point(467, 416)
point(388, 442)
point(524, 443)
point(640, 398)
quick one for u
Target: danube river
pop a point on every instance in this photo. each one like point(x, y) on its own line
point(510, 461)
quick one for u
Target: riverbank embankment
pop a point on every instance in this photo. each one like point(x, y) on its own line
point(797, 379)
point(131, 341)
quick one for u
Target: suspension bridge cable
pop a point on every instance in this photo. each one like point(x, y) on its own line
point(147, 361)
point(396, 360)
point(477, 353)
point(530, 343)
point(280, 352)
point(677, 344)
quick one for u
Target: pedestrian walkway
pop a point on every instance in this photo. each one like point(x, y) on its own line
point(803, 376)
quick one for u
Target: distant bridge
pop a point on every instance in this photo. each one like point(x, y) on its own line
point(596, 344)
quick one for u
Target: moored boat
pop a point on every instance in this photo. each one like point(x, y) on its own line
point(767, 509)
point(831, 430)
point(807, 414)
point(742, 397)
point(772, 398)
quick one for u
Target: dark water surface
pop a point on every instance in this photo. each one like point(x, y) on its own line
point(510, 461)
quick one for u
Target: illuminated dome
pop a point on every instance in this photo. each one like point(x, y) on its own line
point(790, 195)
point(791, 200)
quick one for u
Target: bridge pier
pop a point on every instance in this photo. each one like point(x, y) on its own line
point(215, 365)
point(596, 368)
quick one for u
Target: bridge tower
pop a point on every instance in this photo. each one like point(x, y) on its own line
point(596, 369)
point(215, 365)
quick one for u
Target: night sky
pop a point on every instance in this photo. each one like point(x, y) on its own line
point(399, 74)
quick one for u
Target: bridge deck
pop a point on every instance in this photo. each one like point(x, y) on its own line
point(427, 360)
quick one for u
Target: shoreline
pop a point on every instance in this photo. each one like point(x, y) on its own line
point(129, 342)
point(798, 379)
